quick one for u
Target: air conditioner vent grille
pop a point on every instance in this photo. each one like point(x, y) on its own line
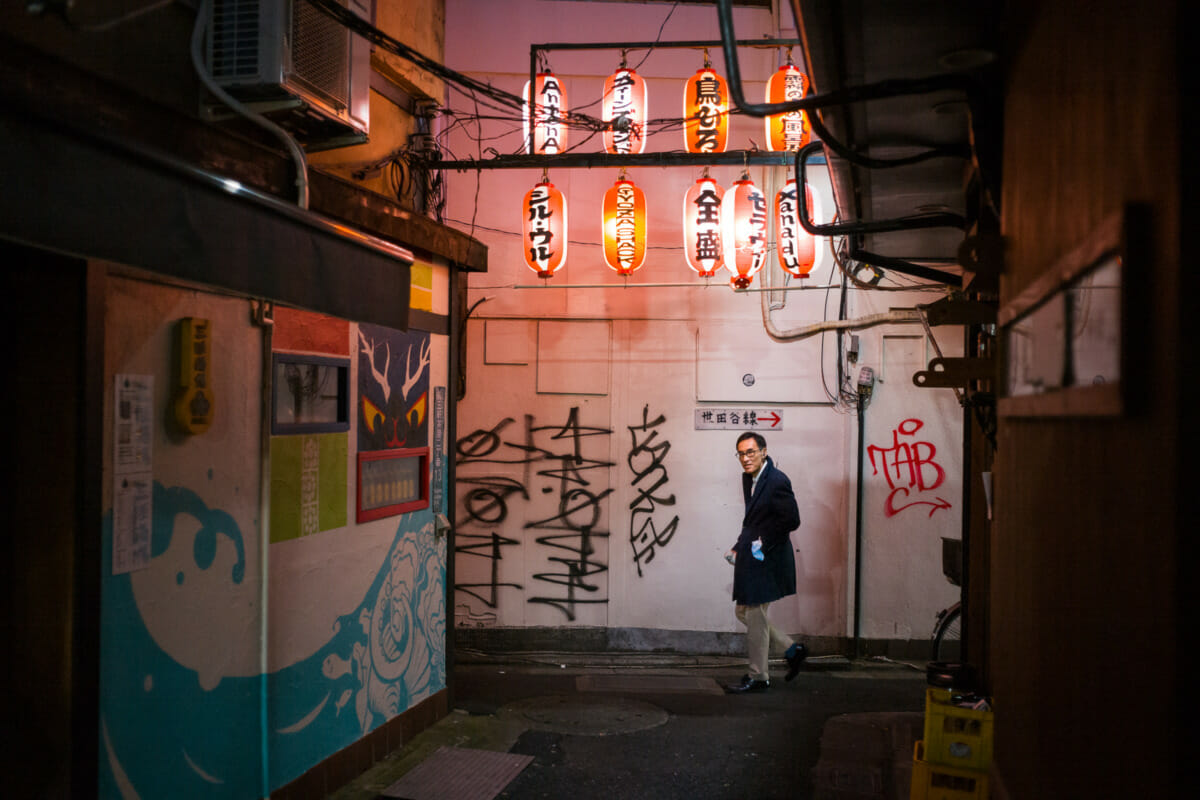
point(235, 40)
point(320, 53)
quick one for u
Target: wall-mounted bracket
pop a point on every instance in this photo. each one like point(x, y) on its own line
point(955, 373)
point(960, 311)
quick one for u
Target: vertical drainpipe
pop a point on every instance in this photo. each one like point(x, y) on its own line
point(858, 531)
point(452, 383)
point(264, 317)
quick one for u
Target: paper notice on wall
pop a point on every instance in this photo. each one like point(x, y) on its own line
point(133, 471)
point(133, 424)
point(132, 521)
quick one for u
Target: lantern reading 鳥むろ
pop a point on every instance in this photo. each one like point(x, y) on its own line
point(795, 246)
point(624, 227)
point(705, 112)
point(789, 131)
point(545, 229)
point(550, 133)
point(625, 112)
point(744, 231)
point(702, 227)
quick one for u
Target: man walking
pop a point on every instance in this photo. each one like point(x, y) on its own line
point(764, 568)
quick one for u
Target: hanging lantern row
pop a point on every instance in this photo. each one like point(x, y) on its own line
point(705, 112)
point(720, 229)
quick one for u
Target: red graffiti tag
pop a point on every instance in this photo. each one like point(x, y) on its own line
point(909, 468)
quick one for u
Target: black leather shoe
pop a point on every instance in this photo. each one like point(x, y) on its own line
point(795, 660)
point(747, 685)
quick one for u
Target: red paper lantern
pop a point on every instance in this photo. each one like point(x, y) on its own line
point(545, 229)
point(550, 133)
point(625, 111)
point(744, 231)
point(706, 111)
point(624, 225)
point(702, 227)
point(795, 246)
point(789, 131)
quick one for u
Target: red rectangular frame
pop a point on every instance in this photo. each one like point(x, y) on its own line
point(366, 515)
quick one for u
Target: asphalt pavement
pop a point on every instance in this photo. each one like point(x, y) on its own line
point(660, 726)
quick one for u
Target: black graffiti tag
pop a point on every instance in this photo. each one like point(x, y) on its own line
point(646, 455)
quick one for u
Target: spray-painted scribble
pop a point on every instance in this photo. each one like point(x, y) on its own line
point(554, 463)
point(909, 468)
point(647, 453)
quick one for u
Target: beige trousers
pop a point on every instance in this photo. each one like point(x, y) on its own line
point(760, 634)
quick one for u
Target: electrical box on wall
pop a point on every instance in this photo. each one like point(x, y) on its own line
point(295, 64)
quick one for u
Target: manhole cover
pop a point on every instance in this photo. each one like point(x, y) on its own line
point(589, 717)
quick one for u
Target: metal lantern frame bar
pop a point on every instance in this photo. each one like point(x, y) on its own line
point(668, 159)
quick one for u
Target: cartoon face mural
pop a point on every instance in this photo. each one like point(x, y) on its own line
point(393, 388)
point(167, 730)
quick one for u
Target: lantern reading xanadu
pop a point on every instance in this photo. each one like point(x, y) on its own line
point(744, 231)
point(625, 112)
point(705, 112)
point(624, 227)
point(795, 246)
point(789, 131)
point(702, 227)
point(550, 132)
point(545, 229)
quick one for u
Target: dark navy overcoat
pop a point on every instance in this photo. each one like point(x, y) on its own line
point(771, 515)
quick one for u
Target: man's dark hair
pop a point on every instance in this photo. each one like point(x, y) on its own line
point(757, 437)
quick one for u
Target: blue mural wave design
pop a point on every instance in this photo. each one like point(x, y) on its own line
point(165, 735)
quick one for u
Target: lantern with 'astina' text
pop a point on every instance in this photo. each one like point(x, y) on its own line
point(705, 112)
point(702, 227)
point(795, 246)
point(789, 131)
point(744, 231)
point(625, 112)
point(624, 226)
point(550, 132)
point(545, 229)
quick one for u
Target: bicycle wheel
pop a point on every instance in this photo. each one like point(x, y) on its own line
point(947, 635)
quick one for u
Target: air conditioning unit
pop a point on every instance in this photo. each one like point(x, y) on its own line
point(300, 67)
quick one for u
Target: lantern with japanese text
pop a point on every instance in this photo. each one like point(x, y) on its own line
point(625, 112)
point(795, 246)
point(624, 226)
point(550, 132)
point(789, 131)
point(744, 230)
point(705, 112)
point(545, 229)
point(702, 227)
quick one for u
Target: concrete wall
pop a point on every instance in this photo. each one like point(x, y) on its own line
point(239, 652)
point(588, 495)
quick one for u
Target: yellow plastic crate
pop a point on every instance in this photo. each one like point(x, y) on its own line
point(937, 782)
point(955, 736)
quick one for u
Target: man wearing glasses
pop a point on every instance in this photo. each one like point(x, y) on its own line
point(764, 568)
